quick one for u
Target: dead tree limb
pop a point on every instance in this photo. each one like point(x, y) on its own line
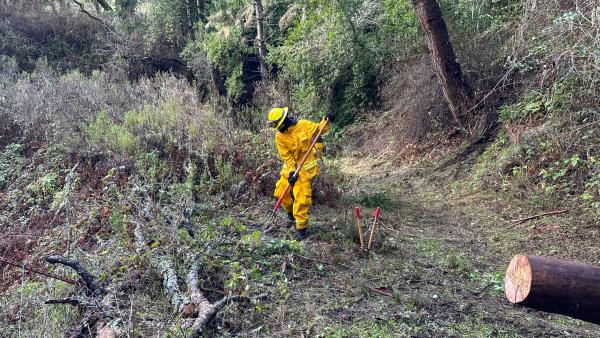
point(555, 212)
point(206, 310)
point(98, 309)
point(69, 179)
point(93, 289)
point(166, 268)
point(39, 272)
point(192, 302)
point(89, 321)
point(68, 301)
point(88, 279)
point(84, 11)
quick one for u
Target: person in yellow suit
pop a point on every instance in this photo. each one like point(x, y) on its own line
point(292, 139)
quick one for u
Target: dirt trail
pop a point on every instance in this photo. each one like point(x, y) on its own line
point(440, 260)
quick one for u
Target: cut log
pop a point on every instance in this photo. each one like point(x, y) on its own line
point(554, 285)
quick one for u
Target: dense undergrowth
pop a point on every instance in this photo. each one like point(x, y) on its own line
point(139, 174)
point(145, 158)
point(550, 135)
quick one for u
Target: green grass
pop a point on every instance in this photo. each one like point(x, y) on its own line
point(382, 199)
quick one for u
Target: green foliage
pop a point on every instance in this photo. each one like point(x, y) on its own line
point(11, 163)
point(536, 105)
point(381, 199)
point(124, 8)
point(168, 21)
point(559, 176)
point(225, 50)
point(163, 128)
point(398, 35)
point(116, 137)
point(338, 75)
point(480, 16)
point(224, 41)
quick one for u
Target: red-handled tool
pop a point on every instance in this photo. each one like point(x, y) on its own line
point(373, 228)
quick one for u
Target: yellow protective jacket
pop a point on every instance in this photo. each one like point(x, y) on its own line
point(293, 144)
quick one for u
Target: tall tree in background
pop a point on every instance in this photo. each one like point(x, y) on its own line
point(104, 4)
point(456, 90)
point(260, 39)
point(62, 5)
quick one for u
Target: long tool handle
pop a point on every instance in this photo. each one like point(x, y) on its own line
point(373, 228)
point(360, 229)
point(297, 172)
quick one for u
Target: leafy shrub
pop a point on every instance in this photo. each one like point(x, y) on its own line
point(11, 162)
point(66, 40)
point(536, 105)
point(338, 75)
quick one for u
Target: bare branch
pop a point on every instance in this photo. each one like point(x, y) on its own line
point(67, 191)
point(89, 321)
point(88, 279)
point(69, 301)
point(83, 10)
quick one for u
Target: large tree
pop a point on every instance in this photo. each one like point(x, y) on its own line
point(456, 90)
point(260, 39)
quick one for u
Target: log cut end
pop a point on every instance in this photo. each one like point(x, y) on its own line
point(517, 282)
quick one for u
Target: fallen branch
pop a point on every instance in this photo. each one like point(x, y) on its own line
point(206, 310)
point(67, 189)
point(483, 289)
point(88, 279)
point(165, 267)
point(45, 274)
point(521, 220)
point(89, 321)
point(68, 301)
point(384, 292)
point(84, 11)
point(93, 314)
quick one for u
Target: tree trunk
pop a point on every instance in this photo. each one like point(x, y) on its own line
point(105, 5)
point(190, 20)
point(97, 6)
point(554, 285)
point(62, 5)
point(456, 90)
point(200, 9)
point(52, 6)
point(217, 80)
point(260, 40)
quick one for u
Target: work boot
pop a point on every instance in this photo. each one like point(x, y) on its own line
point(301, 234)
point(291, 219)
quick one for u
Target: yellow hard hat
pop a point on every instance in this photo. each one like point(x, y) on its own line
point(276, 116)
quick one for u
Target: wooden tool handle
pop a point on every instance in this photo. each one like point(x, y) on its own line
point(373, 229)
point(360, 229)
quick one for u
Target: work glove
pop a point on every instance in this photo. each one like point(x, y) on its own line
point(329, 117)
point(292, 178)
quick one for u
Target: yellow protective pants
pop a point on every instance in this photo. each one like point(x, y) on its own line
point(297, 201)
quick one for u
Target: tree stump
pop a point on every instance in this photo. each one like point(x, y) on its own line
point(554, 285)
